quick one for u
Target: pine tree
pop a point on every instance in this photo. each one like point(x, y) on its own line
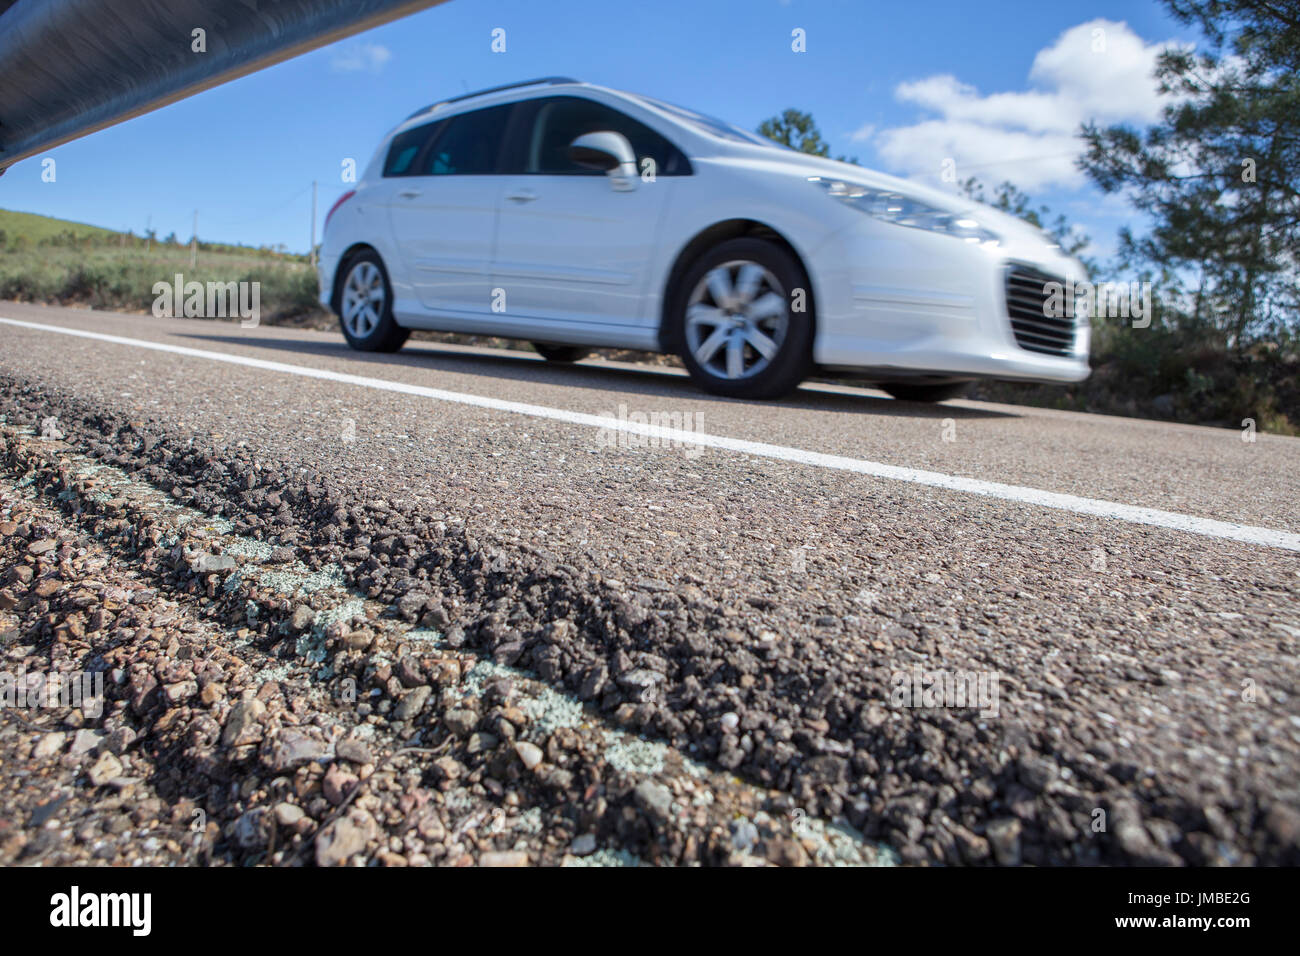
point(796, 129)
point(1219, 175)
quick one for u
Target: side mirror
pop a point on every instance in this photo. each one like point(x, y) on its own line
point(607, 151)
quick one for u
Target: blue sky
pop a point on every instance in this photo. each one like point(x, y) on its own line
point(996, 87)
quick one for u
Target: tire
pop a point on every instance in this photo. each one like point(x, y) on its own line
point(719, 341)
point(561, 353)
point(926, 393)
point(365, 306)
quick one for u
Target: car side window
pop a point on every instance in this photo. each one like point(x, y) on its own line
point(406, 147)
point(559, 120)
point(468, 145)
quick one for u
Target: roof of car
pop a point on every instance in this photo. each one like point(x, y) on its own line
point(540, 81)
point(687, 120)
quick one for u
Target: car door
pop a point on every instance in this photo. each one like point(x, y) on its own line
point(443, 210)
point(572, 248)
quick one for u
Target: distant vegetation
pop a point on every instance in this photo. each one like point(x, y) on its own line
point(55, 261)
point(796, 129)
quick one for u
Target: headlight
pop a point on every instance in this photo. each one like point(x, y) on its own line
point(890, 206)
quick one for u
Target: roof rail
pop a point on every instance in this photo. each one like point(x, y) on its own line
point(547, 80)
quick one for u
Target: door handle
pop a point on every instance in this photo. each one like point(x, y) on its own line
point(411, 193)
point(522, 195)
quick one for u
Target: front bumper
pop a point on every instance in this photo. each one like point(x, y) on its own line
point(898, 303)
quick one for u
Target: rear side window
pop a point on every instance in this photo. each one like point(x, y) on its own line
point(559, 120)
point(406, 147)
point(468, 145)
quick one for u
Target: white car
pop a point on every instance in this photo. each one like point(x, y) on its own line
point(576, 216)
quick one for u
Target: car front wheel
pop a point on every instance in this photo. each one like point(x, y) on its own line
point(736, 324)
point(366, 306)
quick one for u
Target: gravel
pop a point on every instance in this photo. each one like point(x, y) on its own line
point(221, 742)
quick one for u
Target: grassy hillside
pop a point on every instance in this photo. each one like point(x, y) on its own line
point(37, 229)
point(49, 260)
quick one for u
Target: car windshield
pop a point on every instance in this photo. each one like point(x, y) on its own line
point(711, 125)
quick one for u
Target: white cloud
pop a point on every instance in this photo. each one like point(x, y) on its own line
point(863, 133)
point(359, 57)
point(1100, 70)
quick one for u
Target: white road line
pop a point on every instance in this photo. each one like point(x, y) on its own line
point(1226, 530)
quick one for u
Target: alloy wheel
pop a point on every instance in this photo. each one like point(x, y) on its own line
point(363, 299)
point(736, 320)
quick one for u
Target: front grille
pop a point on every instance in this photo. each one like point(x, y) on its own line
point(1037, 327)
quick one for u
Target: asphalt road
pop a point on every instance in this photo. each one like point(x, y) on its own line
point(1131, 588)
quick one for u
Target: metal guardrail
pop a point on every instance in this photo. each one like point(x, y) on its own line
point(71, 67)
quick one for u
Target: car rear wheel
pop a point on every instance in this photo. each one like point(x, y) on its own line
point(561, 353)
point(926, 393)
point(733, 320)
point(366, 306)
